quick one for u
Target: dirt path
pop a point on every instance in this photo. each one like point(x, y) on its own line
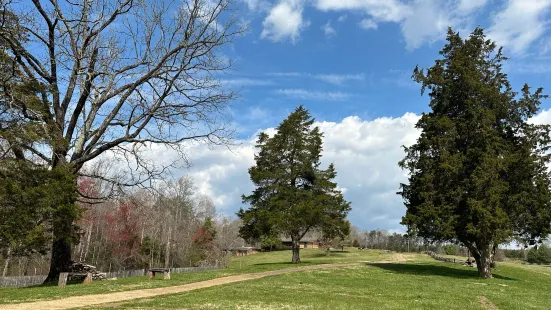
point(398, 257)
point(89, 300)
point(486, 304)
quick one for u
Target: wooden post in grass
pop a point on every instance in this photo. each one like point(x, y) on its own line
point(88, 279)
point(62, 279)
point(167, 274)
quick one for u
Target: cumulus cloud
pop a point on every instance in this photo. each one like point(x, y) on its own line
point(544, 117)
point(284, 21)
point(390, 10)
point(257, 5)
point(515, 24)
point(328, 30)
point(421, 21)
point(519, 24)
point(365, 154)
point(427, 22)
point(368, 24)
point(468, 6)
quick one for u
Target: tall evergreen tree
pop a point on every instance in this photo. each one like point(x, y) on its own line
point(293, 195)
point(477, 173)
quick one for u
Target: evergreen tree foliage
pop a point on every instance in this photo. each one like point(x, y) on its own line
point(293, 195)
point(477, 173)
point(31, 200)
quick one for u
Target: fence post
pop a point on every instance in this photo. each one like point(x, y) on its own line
point(62, 279)
point(88, 279)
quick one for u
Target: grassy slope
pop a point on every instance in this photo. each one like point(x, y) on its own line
point(253, 263)
point(425, 284)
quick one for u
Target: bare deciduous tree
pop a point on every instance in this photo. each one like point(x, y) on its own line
point(118, 76)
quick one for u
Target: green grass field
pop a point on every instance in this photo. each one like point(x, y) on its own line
point(419, 283)
point(426, 285)
point(246, 264)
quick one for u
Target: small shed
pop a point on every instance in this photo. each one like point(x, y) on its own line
point(303, 243)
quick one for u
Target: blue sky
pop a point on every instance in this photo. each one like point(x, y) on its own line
point(330, 62)
point(349, 62)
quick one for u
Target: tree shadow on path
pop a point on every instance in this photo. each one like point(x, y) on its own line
point(434, 270)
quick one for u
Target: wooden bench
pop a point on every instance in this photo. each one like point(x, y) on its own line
point(64, 275)
point(152, 271)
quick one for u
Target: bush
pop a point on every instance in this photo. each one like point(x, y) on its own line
point(356, 244)
point(542, 255)
point(450, 249)
point(513, 254)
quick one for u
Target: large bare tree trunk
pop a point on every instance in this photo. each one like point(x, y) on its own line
point(296, 252)
point(61, 247)
point(91, 75)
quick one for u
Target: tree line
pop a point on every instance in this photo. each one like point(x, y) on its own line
point(109, 80)
point(169, 226)
point(86, 80)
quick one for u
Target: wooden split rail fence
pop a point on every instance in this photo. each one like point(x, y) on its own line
point(24, 281)
point(448, 259)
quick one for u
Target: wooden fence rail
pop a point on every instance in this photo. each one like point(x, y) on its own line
point(24, 281)
point(448, 259)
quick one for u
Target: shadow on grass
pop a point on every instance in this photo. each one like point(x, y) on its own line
point(331, 254)
point(435, 270)
point(302, 263)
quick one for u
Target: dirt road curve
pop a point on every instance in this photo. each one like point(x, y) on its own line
point(88, 300)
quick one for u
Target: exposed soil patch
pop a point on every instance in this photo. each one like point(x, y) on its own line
point(487, 304)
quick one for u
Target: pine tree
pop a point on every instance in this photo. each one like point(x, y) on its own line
point(477, 173)
point(293, 195)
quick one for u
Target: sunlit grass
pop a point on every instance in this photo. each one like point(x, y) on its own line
point(244, 264)
point(411, 285)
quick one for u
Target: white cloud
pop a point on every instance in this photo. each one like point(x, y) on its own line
point(468, 6)
point(519, 24)
point(257, 5)
point(389, 10)
point(246, 82)
point(421, 21)
point(335, 79)
point(368, 24)
point(338, 79)
point(328, 30)
point(427, 23)
point(284, 21)
point(304, 94)
point(365, 154)
point(544, 117)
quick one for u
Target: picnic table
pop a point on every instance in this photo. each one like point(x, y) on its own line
point(152, 271)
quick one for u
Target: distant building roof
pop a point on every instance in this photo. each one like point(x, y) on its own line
point(301, 240)
point(242, 248)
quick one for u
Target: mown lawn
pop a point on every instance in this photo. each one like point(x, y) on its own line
point(247, 264)
point(413, 285)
